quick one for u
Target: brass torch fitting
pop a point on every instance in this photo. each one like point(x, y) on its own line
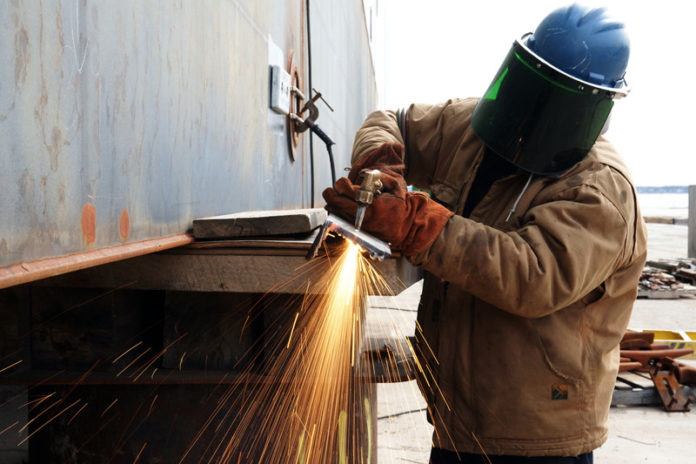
point(371, 182)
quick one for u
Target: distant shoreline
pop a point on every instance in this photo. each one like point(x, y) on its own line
point(665, 220)
point(663, 189)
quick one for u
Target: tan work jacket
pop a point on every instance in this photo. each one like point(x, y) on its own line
point(520, 317)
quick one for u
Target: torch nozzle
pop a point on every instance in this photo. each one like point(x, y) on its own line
point(370, 184)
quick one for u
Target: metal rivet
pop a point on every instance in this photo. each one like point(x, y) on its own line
point(538, 65)
point(595, 91)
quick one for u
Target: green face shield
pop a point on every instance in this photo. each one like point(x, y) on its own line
point(538, 117)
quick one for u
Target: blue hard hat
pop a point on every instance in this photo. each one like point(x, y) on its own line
point(585, 43)
point(553, 93)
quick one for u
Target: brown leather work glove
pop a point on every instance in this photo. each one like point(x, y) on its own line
point(410, 221)
point(387, 158)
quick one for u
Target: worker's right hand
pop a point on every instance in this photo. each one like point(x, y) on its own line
point(409, 221)
point(387, 158)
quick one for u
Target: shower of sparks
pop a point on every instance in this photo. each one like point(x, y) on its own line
point(310, 411)
point(126, 352)
point(36, 417)
point(34, 403)
point(156, 357)
point(48, 422)
point(136, 359)
point(303, 397)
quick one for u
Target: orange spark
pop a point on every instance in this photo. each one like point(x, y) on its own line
point(109, 407)
point(126, 352)
point(10, 366)
point(8, 427)
point(47, 422)
point(78, 412)
point(141, 452)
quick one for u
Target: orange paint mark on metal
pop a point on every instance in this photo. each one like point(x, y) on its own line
point(89, 223)
point(124, 225)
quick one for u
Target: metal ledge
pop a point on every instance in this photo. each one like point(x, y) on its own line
point(248, 266)
point(22, 273)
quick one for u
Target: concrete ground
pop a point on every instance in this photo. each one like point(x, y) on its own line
point(636, 434)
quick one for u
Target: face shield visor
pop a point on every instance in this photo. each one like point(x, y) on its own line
point(538, 117)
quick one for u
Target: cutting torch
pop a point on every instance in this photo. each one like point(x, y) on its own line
point(371, 183)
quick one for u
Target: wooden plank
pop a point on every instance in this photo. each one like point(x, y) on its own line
point(658, 220)
point(635, 379)
point(259, 223)
point(658, 294)
point(235, 271)
point(669, 265)
point(635, 397)
point(641, 396)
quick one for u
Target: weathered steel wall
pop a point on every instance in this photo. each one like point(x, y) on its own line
point(122, 120)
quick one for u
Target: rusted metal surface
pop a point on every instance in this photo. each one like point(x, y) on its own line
point(121, 121)
point(639, 354)
point(636, 340)
point(625, 366)
point(646, 357)
point(686, 374)
point(672, 396)
point(41, 269)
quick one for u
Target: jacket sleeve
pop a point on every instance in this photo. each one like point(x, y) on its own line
point(421, 129)
point(562, 251)
point(380, 127)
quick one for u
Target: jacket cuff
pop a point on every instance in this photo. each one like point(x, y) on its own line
point(423, 258)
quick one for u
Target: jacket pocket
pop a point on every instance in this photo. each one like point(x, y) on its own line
point(561, 343)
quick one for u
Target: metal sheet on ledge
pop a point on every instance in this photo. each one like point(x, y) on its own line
point(122, 120)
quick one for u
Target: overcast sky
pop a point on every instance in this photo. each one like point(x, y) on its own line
point(438, 49)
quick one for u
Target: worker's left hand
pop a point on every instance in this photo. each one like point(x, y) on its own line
point(410, 221)
point(387, 158)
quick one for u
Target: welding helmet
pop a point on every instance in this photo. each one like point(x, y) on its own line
point(553, 93)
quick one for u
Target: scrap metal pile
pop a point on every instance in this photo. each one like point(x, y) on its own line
point(641, 354)
point(668, 279)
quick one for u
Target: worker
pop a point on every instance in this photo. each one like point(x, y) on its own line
point(525, 221)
